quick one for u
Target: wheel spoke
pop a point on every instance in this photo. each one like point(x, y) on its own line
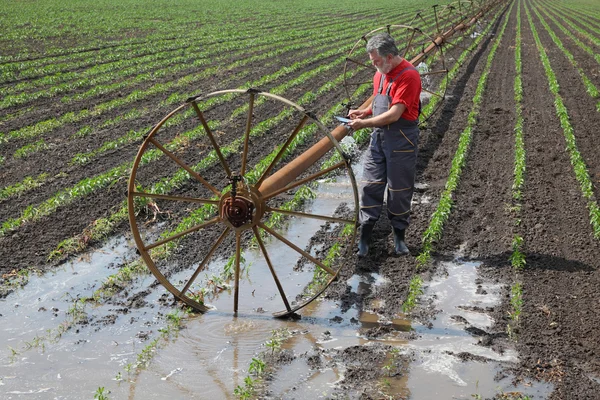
point(174, 198)
point(361, 64)
point(412, 36)
point(441, 71)
point(247, 133)
point(432, 93)
point(212, 138)
point(180, 234)
point(184, 166)
point(282, 150)
point(456, 45)
point(297, 249)
point(358, 83)
point(203, 263)
point(238, 245)
point(315, 216)
point(307, 179)
point(268, 260)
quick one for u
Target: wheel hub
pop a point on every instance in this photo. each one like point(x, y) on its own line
point(237, 210)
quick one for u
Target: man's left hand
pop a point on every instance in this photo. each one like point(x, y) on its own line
point(357, 124)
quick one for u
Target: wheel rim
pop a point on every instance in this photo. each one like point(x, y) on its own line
point(240, 209)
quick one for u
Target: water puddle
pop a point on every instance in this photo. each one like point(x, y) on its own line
point(449, 358)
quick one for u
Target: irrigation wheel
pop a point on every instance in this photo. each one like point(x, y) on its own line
point(411, 41)
point(216, 194)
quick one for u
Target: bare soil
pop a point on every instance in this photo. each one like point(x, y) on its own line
point(556, 339)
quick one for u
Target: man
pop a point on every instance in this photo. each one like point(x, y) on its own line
point(392, 154)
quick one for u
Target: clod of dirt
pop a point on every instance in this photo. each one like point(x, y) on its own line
point(460, 319)
point(476, 331)
point(466, 356)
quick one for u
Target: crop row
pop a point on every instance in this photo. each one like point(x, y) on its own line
point(584, 34)
point(590, 88)
point(112, 27)
point(517, 257)
point(585, 20)
point(186, 55)
point(573, 37)
point(89, 185)
point(137, 95)
point(442, 212)
point(59, 69)
point(83, 158)
point(579, 165)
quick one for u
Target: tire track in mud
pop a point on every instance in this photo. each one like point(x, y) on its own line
point(557, 340)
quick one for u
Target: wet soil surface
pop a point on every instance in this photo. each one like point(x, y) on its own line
point(556, 338)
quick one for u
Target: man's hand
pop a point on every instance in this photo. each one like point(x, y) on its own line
point(354, 114)
point(357, 124)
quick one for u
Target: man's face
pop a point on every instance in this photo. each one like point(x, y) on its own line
point(383, 64)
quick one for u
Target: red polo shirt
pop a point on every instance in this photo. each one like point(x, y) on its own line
point(406, 89)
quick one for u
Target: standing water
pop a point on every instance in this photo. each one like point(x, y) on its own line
point(48, 356)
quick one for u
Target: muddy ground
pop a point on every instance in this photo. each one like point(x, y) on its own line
point(556, 338)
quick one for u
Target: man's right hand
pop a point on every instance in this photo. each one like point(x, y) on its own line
point(355, 114)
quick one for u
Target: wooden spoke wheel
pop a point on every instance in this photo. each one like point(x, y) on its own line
point(411, 42)
point(222, 177)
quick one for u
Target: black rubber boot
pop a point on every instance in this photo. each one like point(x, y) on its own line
point(399, 246)
point(365, 239)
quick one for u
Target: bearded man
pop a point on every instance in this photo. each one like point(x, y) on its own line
point(392, 154)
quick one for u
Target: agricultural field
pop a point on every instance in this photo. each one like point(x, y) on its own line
point(498, 298)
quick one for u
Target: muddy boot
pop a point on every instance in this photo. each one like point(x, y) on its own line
point(399, 246)
point(365, 239)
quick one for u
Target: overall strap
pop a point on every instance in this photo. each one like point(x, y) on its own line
point(381, 79)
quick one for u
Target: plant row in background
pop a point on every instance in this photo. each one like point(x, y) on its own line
point(590, 88)
point(579, 165)
point(43, 210)
point(574, 37)
point(196, 57)
point(89, 185)
point(565, 14)
point(48, 125)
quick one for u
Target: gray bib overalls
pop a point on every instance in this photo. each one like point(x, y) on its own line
point(391, 160)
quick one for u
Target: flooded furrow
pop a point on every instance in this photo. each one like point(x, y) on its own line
point(210, 357)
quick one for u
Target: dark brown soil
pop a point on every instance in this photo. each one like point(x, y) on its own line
point(556, 337)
